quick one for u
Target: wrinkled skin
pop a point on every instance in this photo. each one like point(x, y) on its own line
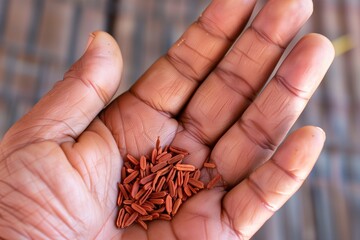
point(60, 163)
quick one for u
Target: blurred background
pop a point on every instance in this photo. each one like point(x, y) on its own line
point(39, 39)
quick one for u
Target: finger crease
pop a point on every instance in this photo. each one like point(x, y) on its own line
point(260, 194)
point(236, 83)
point(291, 89)
point(176, 62)
point(288, 173)
point(252, 129)
point(211, 28)
point(262, 35)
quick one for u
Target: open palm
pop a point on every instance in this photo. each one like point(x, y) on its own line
point(61, 162)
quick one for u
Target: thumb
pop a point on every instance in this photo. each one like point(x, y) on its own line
point(65, 112)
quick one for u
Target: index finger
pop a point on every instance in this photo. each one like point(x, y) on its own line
point(168, 84)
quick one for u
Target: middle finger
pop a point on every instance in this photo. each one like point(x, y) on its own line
point(234, 83)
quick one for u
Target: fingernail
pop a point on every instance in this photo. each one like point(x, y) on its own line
point(89, 41)
point(322, 132)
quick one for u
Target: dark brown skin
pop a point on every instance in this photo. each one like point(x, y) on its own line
point(60, 164)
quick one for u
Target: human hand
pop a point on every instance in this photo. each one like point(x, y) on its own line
point(60, 163)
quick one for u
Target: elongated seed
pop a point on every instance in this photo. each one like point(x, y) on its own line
point(145, 196)
point(155, 215)
point(153, 155)
point(171, 188)
point(132, 159)
point(159, 166)
point(147, 208)
point(157, 201)
point(123, 173)
point(135, 189)
point(149, 204)
point(147, 178)
point(180, 192)
point(186, 178)
point(120, 217)
point(187, 190)
point(140, 193)
point(209, 165)
point(120, 198)
point(193, 190)
point(138, 208)
point(128, 202)
point(166, 217)
point(129, 209)
point(142, 223)
point(160, 184)
point(123, 191)
point(180, 178)
point(160, 155)
point(213, 181)
point(131, 177)
point(178, 150)
point(176, 206)
point(157, 142)
point(158, 194)
point(142, 162)
point(176, 159)
point(146, 218)
point(171, 175)
point(197, 174)
point(196, 183)
point(126, 217)
point(168, 204)
point(185, 167)
point(131, 219)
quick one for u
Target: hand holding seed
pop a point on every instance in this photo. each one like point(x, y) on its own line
point(77, 167)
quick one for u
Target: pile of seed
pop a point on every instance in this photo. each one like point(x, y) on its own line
point(154, 187)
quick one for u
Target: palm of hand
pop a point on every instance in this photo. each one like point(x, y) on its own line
point(70, 191)
point(60, 164)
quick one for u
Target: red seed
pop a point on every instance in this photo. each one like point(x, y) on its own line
point(166, 217)
point(185, 167)
point(176, 159)
point(135, 188)
point(131, 219)
point(120, 217)
point(120, 198)
point(165, 157)
point(168, 204)
point(159, 166)
point(158, 194)
point(178, 150)
point(197, 174)
point(132, 159)
point(187, 190)
point(142, 224)
point(131, 177)
point(160, 184)
point(176, 206)
point(171, 188)
point(142, 163)
point(153, 155)
point(209, 165)
point(123, 173)
point(123, 191)
point(138, 208)
point(196, 183)
point(213, 181)
point(157, 201)
point(147, 178)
